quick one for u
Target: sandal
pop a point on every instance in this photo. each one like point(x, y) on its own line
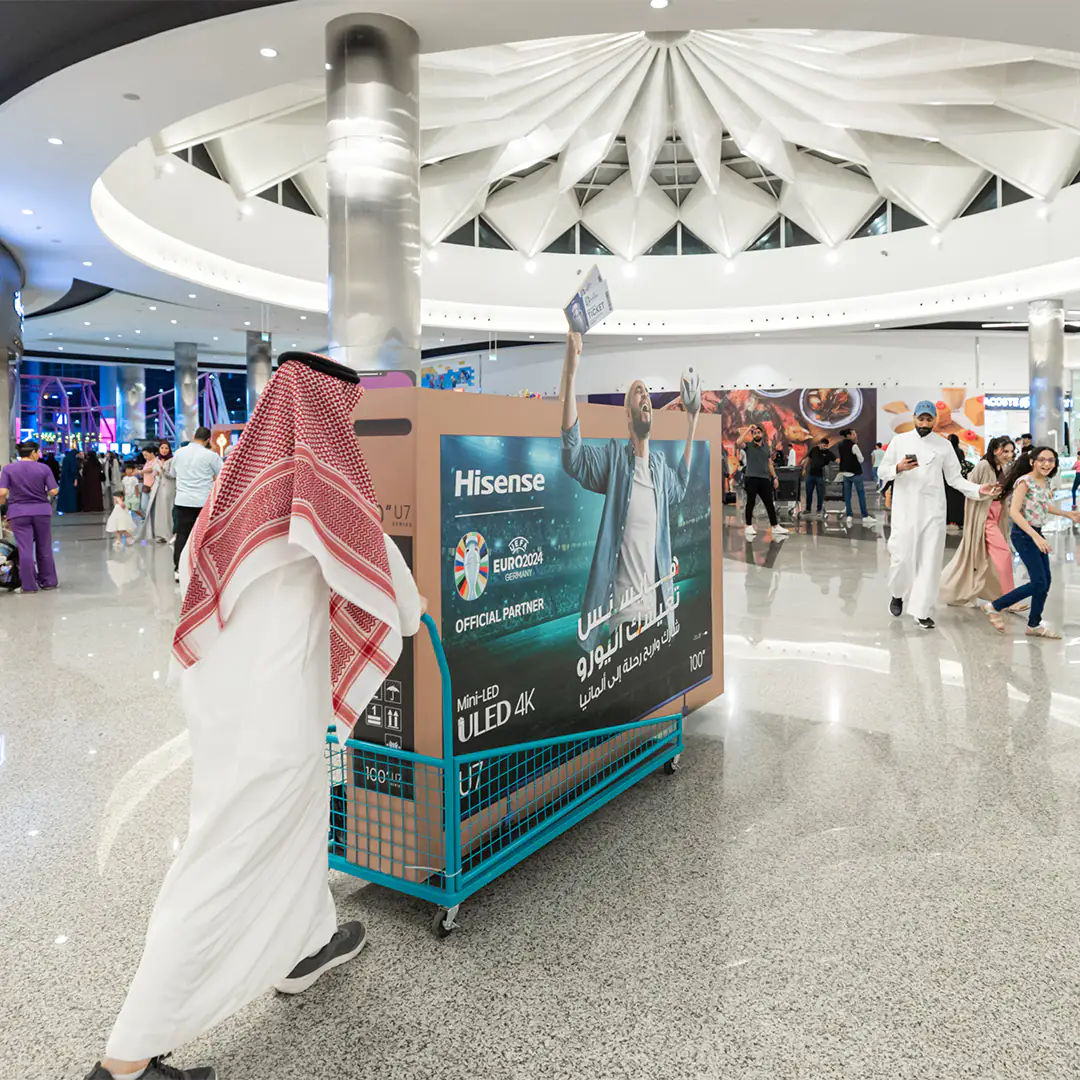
point(1018, 609)
point(1043, 632)
point(996, 621)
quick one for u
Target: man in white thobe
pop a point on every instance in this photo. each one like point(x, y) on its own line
point(920, 463)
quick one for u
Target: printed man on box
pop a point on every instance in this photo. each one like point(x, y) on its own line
point(633, 546)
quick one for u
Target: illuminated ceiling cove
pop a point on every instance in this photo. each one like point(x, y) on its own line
point(722, 130)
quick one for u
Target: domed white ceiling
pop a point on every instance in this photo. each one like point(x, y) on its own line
point(723, 130)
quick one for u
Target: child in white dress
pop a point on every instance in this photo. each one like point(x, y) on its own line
point(132, 489)
point(120, 523)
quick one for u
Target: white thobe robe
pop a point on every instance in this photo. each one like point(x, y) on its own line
point(917, 542)
point(247, 898)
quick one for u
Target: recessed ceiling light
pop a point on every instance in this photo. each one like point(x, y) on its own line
point(138, 331)
point(86, 324)
point(29, 213)
point(877, 326)
point(729, 266)
point(530, 267)
point(246, 209)
point(153, 307)
point(247, 323)
point(87, 262)
point(1009, 307)
point(432, 255)
point(54, 141)
point(629, 269)
point(215, 339)
point(303, 317)
point(641, 339)
point(329, 67)
point(757, 335)
point(936, 239)
point(173, 321)
point(268, 53)
point(293, 345)
point(532, 337)
point(169, 167)
point(50, 333)
point(108, 339)
point(658, 4)
point(833, 256)
point(191, 296)
point(60, 347)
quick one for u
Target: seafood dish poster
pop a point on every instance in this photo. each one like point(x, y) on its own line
point(795, 418)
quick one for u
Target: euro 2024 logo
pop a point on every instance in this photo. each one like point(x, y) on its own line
point(471, 566)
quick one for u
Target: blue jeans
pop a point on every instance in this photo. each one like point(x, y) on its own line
point(815, 483)
point(1076, 484)
point(1038, 567)
point(855, 482)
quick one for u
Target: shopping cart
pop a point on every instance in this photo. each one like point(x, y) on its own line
point(441, 828)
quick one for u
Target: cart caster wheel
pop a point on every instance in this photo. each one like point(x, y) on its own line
point(443, 924)
point(672, 767)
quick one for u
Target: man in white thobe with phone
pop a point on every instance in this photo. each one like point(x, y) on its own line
point(920, 463)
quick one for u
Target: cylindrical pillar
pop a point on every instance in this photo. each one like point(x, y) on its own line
point(1046, 372)
point(373, 175)
point(9, 403)
point(109, 398)
point(132, 423)
point(186, 389)
point(259, 366)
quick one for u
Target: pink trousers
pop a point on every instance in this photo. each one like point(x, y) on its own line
point(998, 549)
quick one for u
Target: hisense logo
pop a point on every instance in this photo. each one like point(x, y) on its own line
point(474, 482)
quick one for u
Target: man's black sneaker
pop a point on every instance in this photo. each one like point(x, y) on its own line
point(896, 606)
point(346, 943)
point(158, 1070)
point(927, 624)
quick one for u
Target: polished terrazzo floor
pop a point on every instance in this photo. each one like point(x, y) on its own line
point(868, 867)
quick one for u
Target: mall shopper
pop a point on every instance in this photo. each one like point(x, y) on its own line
point(981, 569)
point(814, 469)
point(159, 510)
point(954, 500)
point(27, 485)
point(149, 461)
point(1025, 443)
point(760, 480)
point(1030, 498)
point(1076, 480)
point(916, 461)
point(92, 483)
point(196, 467)
point(114, 474)
point(67, 501)
point(851, 470)
point(131, 485)
point(875, 459)
point(288, 567)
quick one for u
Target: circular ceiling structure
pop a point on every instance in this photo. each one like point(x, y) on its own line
point(671, 143)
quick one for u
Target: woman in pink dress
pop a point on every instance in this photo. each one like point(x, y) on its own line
point(981, 569)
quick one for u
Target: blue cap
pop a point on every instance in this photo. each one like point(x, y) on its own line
point(925, 408)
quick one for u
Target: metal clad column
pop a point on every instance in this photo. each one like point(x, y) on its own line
point(186, 387)
point(1046, 372)
point(9, 403)
point(373, 172)
point(259, 366)
point(132, 424)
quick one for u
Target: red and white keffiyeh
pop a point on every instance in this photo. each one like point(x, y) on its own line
point(297, 484)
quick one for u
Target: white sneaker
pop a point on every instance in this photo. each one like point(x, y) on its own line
point(869, 519)
point(751, 532)
point(849, 520)
point(779, 530)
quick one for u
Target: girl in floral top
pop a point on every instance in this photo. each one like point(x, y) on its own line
point(1031, 502)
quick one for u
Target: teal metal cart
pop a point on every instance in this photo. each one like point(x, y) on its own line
point(441, 828)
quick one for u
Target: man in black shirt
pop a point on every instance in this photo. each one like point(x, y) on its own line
point(851, 469)
point(814, 466)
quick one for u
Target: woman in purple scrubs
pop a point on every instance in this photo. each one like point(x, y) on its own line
point(27, 485)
